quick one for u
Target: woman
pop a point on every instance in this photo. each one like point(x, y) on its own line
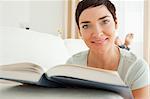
point(97, 23)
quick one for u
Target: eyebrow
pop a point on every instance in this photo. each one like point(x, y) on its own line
point(98, 19)
point(103, 17)
point(85, 22)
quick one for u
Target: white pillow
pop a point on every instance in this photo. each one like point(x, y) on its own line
point(19, 45)
point(75, 45)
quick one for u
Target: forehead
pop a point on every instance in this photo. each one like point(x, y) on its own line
point(94, 13)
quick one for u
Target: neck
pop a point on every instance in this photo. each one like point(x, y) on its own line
point(108, 59)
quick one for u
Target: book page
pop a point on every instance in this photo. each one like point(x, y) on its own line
point(87, 73)
point(21, 71)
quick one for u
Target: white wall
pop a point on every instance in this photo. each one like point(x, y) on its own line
point(13, 13)
point(42, 16)
point(47, 16)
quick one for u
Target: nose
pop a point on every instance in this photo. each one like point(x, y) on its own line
point(97, 31)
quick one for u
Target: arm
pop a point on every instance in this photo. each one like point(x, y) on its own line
point(142, 93)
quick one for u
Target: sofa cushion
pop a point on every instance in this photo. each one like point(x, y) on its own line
point(19, 45)
point(75, 45)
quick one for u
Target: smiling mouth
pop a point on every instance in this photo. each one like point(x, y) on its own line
point(99, 41)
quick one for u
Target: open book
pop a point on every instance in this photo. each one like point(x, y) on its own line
point(66, 76)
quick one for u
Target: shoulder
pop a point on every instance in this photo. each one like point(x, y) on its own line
point(138, 74)
point(79, 58)
point(128, 55)
point(135, 69)
point(130, 60)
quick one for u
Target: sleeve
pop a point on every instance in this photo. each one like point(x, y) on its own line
point(139, 75)
point(70, 60)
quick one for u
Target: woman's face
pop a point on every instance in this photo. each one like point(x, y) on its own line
point(97, 28)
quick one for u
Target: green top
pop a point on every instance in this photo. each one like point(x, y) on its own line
point(133, 71)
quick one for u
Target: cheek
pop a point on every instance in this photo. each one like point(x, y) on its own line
point(110, 32)
point(86, 37)
point(85, 34)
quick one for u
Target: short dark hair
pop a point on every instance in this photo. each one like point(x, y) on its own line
point(84, 4)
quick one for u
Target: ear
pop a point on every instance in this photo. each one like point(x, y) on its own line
point(116, 23)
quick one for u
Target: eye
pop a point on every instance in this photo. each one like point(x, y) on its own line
point(105, 22)
point(85, 26)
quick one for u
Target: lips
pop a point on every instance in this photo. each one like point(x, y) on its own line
point(100, 41)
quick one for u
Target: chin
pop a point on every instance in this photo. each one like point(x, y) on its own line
point(100, 47)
